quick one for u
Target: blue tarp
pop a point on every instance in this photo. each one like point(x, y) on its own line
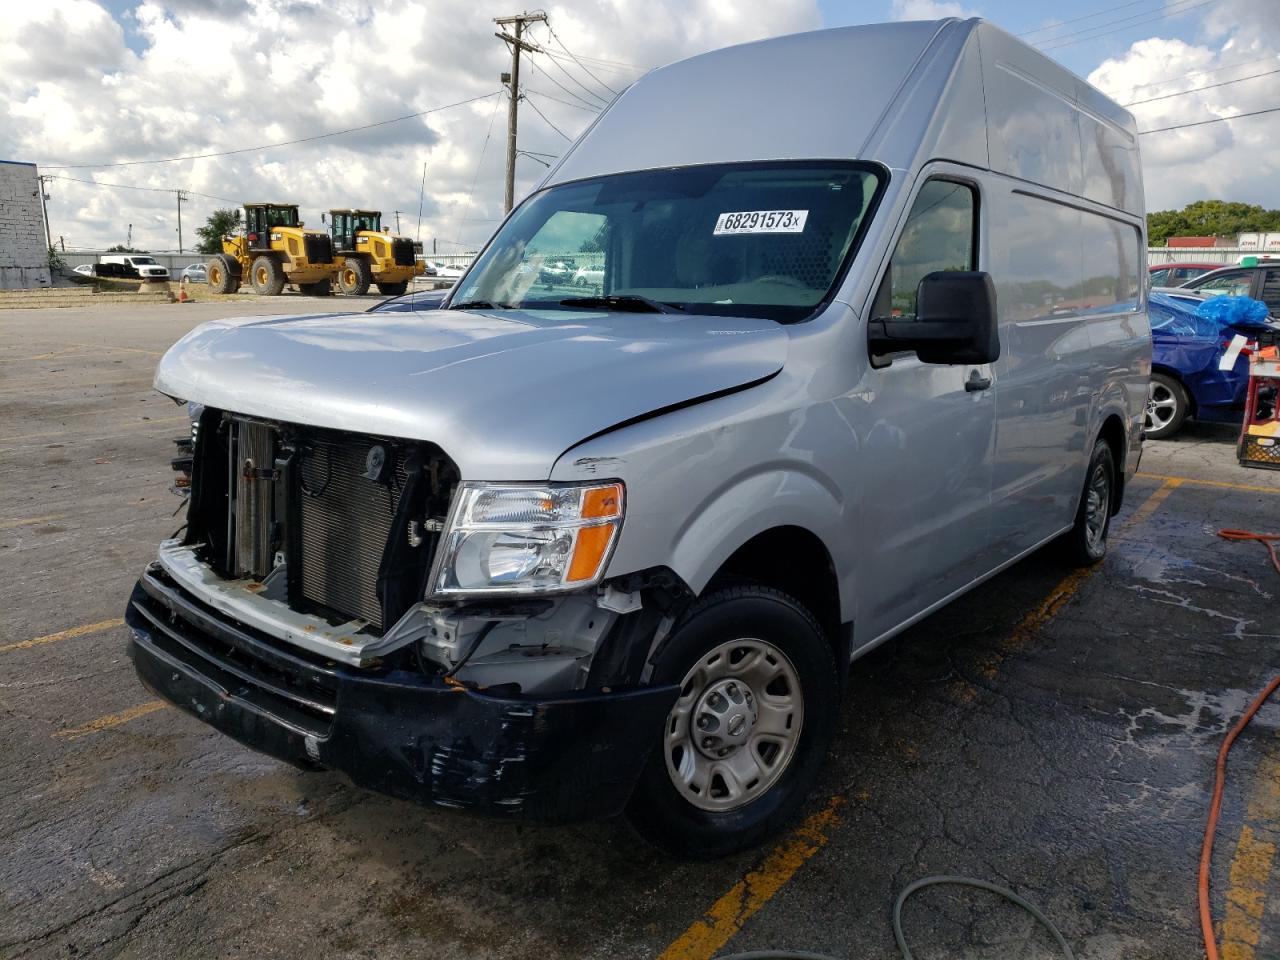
point(1218, 316)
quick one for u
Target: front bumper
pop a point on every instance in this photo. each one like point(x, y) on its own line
point(571, 757)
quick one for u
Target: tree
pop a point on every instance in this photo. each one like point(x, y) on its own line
point(1210, 218)
point(221, 223)
point(121, 248)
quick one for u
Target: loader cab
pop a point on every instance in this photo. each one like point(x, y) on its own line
point(345, 227)
point(261, 218)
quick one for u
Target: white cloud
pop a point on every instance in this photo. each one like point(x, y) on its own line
point(214, 76)
point(1229, 161)
point(929, 10)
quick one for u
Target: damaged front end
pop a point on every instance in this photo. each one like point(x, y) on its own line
point(345, 601)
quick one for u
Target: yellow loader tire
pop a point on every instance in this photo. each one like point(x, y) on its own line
point(393, 289)
point(223, 274)
point(354, 277)
point(266, 276)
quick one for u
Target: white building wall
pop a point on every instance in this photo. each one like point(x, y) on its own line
point(24, 260)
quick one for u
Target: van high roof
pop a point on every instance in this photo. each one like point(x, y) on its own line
point(899, 94)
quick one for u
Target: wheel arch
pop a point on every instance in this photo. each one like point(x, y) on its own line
point(1112, 431)
point(1172, 374)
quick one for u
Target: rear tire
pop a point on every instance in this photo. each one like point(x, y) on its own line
point(1086, 542)
point(266, 276)
point(393, 289)
point(1167, 407)
point(742, 747)
point(222, 273)
point(355, 276)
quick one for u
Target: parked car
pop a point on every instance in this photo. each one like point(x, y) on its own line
point(1176, 274)
point(1185, 351)
point(85, 270)
point(195, 273)
point(591, 275)
point(1261, 282)
point(540, 555)
point(446, 271)
point(131, 265)
point(556, 272)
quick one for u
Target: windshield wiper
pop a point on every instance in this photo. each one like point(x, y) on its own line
point(473, 305)
point(626, 302)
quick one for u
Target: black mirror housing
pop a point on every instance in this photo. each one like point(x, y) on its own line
point(955, 321)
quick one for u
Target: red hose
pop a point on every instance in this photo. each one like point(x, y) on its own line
point(1215, 807)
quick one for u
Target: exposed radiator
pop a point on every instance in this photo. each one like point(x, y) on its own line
point(252, 464)
point(346, 519)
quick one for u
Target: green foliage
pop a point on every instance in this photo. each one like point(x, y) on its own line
point(222, 222)
point(1209, 218)
point(121, 248)
point(56, 262)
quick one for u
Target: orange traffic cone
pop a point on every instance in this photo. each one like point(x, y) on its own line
point(182, 291)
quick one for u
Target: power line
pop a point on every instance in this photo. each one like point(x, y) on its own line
point(268, 146)
point(533, 63)
point(1201, 123)
point(1210, 86)
point(1056, 43)
point(560, 44)
point(483, 147)
point(567, 103)
point(1086, 16)
point(559, 66)
point(614, 65)
point(526, 153)
point(545, 120)
point(130, 186)
point(1204, 73)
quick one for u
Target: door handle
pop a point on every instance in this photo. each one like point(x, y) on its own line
point(976, 382)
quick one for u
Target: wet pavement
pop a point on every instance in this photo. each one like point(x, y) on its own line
point(1052, 731)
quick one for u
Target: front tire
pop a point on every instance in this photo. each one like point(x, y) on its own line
point(354, 277)
point(222, 273)
point(1167, 407)
point(393, 289)
point(266, 276)
point(742, 747)
point(1086, 542)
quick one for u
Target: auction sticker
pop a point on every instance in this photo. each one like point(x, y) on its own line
point(761, 221)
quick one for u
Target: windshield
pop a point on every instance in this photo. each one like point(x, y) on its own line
point(137, 260)
point(748, 239)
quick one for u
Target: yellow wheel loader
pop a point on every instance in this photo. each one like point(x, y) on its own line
point(274, 250)
point(368, 254)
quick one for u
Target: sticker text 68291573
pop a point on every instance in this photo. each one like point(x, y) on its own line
point(761, 221)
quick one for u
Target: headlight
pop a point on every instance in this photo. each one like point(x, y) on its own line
point(512, 539)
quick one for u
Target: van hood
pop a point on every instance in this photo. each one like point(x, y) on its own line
point(503, 393)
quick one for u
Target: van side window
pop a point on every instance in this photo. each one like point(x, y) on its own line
point(1111, 258)
point(1271, 289)
point(939, 235)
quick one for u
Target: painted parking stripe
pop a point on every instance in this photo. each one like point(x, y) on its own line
point(80, 631)
point(1222, 484)
point(27, 521)
point(111, 720)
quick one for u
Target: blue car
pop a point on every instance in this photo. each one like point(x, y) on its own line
point(1187, 343)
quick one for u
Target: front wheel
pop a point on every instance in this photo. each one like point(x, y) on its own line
point(266, 276)
point(1086, 542)
point(1167, 407)
point(743, 744)
point(354, 277)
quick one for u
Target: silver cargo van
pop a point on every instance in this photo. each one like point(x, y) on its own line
point(869, 326)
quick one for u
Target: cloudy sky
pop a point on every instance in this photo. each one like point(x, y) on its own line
point(91, 87)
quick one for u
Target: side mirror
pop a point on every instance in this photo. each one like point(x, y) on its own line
point(955, 321)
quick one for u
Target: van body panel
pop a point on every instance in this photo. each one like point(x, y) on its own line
point(467, 382)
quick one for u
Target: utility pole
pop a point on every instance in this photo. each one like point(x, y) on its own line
point(182, 195)
point(397, 213)
point(513, 40)
point(44, 212)
point(421, 190)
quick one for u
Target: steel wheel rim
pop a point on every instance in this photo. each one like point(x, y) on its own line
point(262, 276)
point(1098, 505)
point(735, 728)
point(1162, 405)
point(214, 276)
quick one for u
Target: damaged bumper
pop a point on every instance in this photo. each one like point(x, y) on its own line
point(566, 757)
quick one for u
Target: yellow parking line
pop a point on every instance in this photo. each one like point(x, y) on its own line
point(64, 635)
point(1250, 872)
point(1250, 487)
point(728, 914)
point(129, 423)
point(111, 720)
point(27, 521)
